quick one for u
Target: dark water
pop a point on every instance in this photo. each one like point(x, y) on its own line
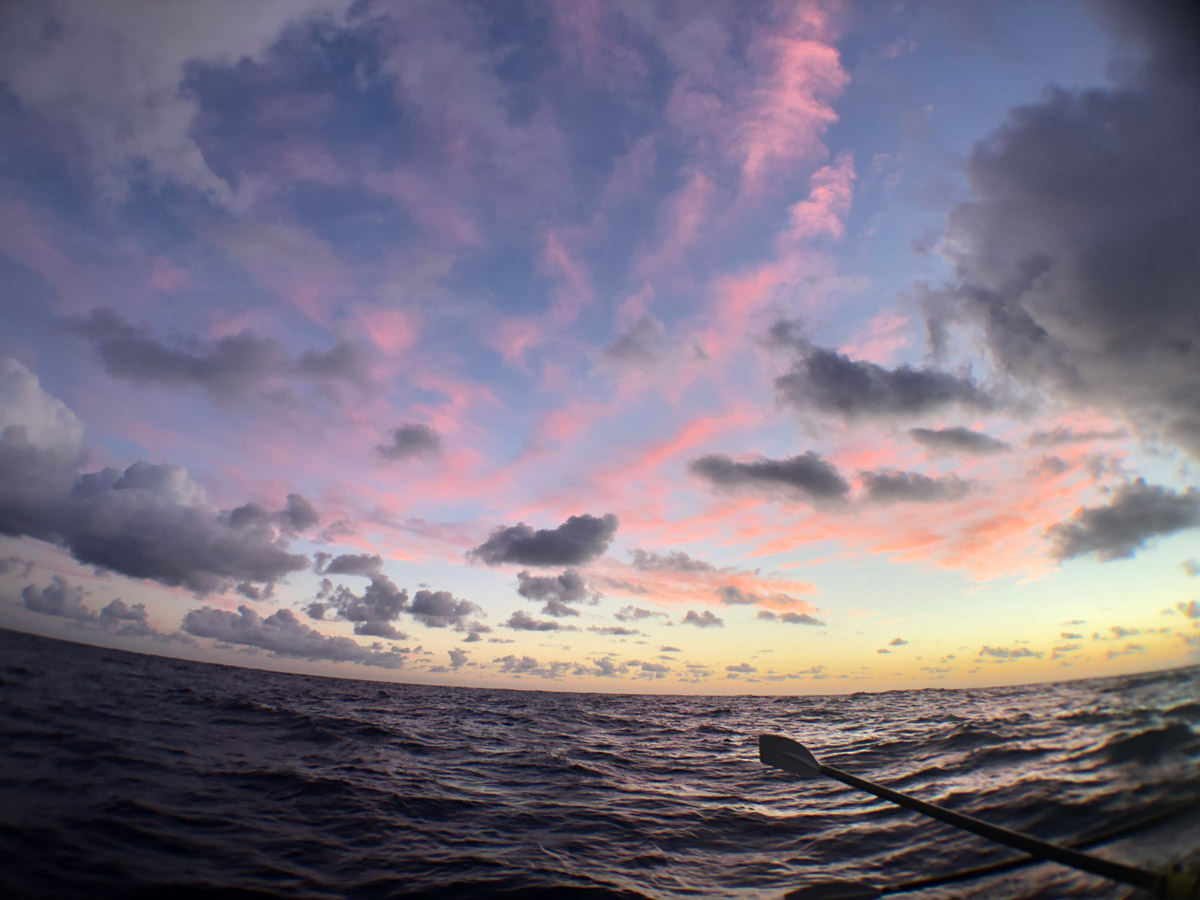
point(123, 774)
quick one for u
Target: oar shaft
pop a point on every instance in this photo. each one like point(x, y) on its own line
point(1103, 867)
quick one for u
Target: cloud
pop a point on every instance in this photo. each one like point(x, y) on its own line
point(808, 476)
point(297, 515)
point(344, 361)
point(734, 596)
point(1074, 259)
point(897, 642)
point(373, 612)
point(367, 564)
point(744, 668)
point(440, 609)
point(615, 630)
point(146, 521)
point(109, 79)
point(131, 621)
point(525, 665)
point(578, 540)
point(672, 561)
point(1062, 435)
point(1004, 653)
point(635, 614)
point(641, 343)
point(227, 368)
point(1138, 512)
point(522, 621)
point(57, 599)
point(60, 599)
point(556, 590)
point(458, 658)
point(790, 618)
point(704, 619)
point(1191, 609)
point(830, 382)
point(912, 487)
point(13, 563)
point(282, 634)
point(411, 440)
point(961, 440)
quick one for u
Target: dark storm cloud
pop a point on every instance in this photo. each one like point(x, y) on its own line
point(374, 612)
point(912, 487)
point(228, 367)
point(705, 619)
point(441, 609)
point(830, 382)
point(790, 618)
point(1076, 256)
point(282, 634)
point(1138, 512)
point(642, 342)
point(367, 564)
point(672, 561)
point(808, 476)
point(410, 440)
point(556, 591)
point(962, 440)
point(578, 540)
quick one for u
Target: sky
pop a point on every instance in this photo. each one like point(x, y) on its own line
point(674, 347)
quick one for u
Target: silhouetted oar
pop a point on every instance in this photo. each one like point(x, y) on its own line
point(858, 890)
point(785, 753)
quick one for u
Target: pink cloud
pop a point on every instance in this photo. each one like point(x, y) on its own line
point(291, 261)
point(391, 330)
point(588, 34)
point(573, 291)
point(432, 207)
point(165, 276)
point(828, 203)
point(26, 236)
point(789, 107)
point(878, 342)
point(685, 214)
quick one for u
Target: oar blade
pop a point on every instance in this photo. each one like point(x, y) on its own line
point(835, 890)
point(791, 756)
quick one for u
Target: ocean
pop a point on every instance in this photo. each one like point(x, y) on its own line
point(126, 775)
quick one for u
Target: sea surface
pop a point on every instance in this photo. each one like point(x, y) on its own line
point(124, 775)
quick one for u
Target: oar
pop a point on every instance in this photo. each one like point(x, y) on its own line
point(860, 890)
point(791, 756)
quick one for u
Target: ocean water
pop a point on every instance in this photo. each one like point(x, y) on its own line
point(124, 775)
